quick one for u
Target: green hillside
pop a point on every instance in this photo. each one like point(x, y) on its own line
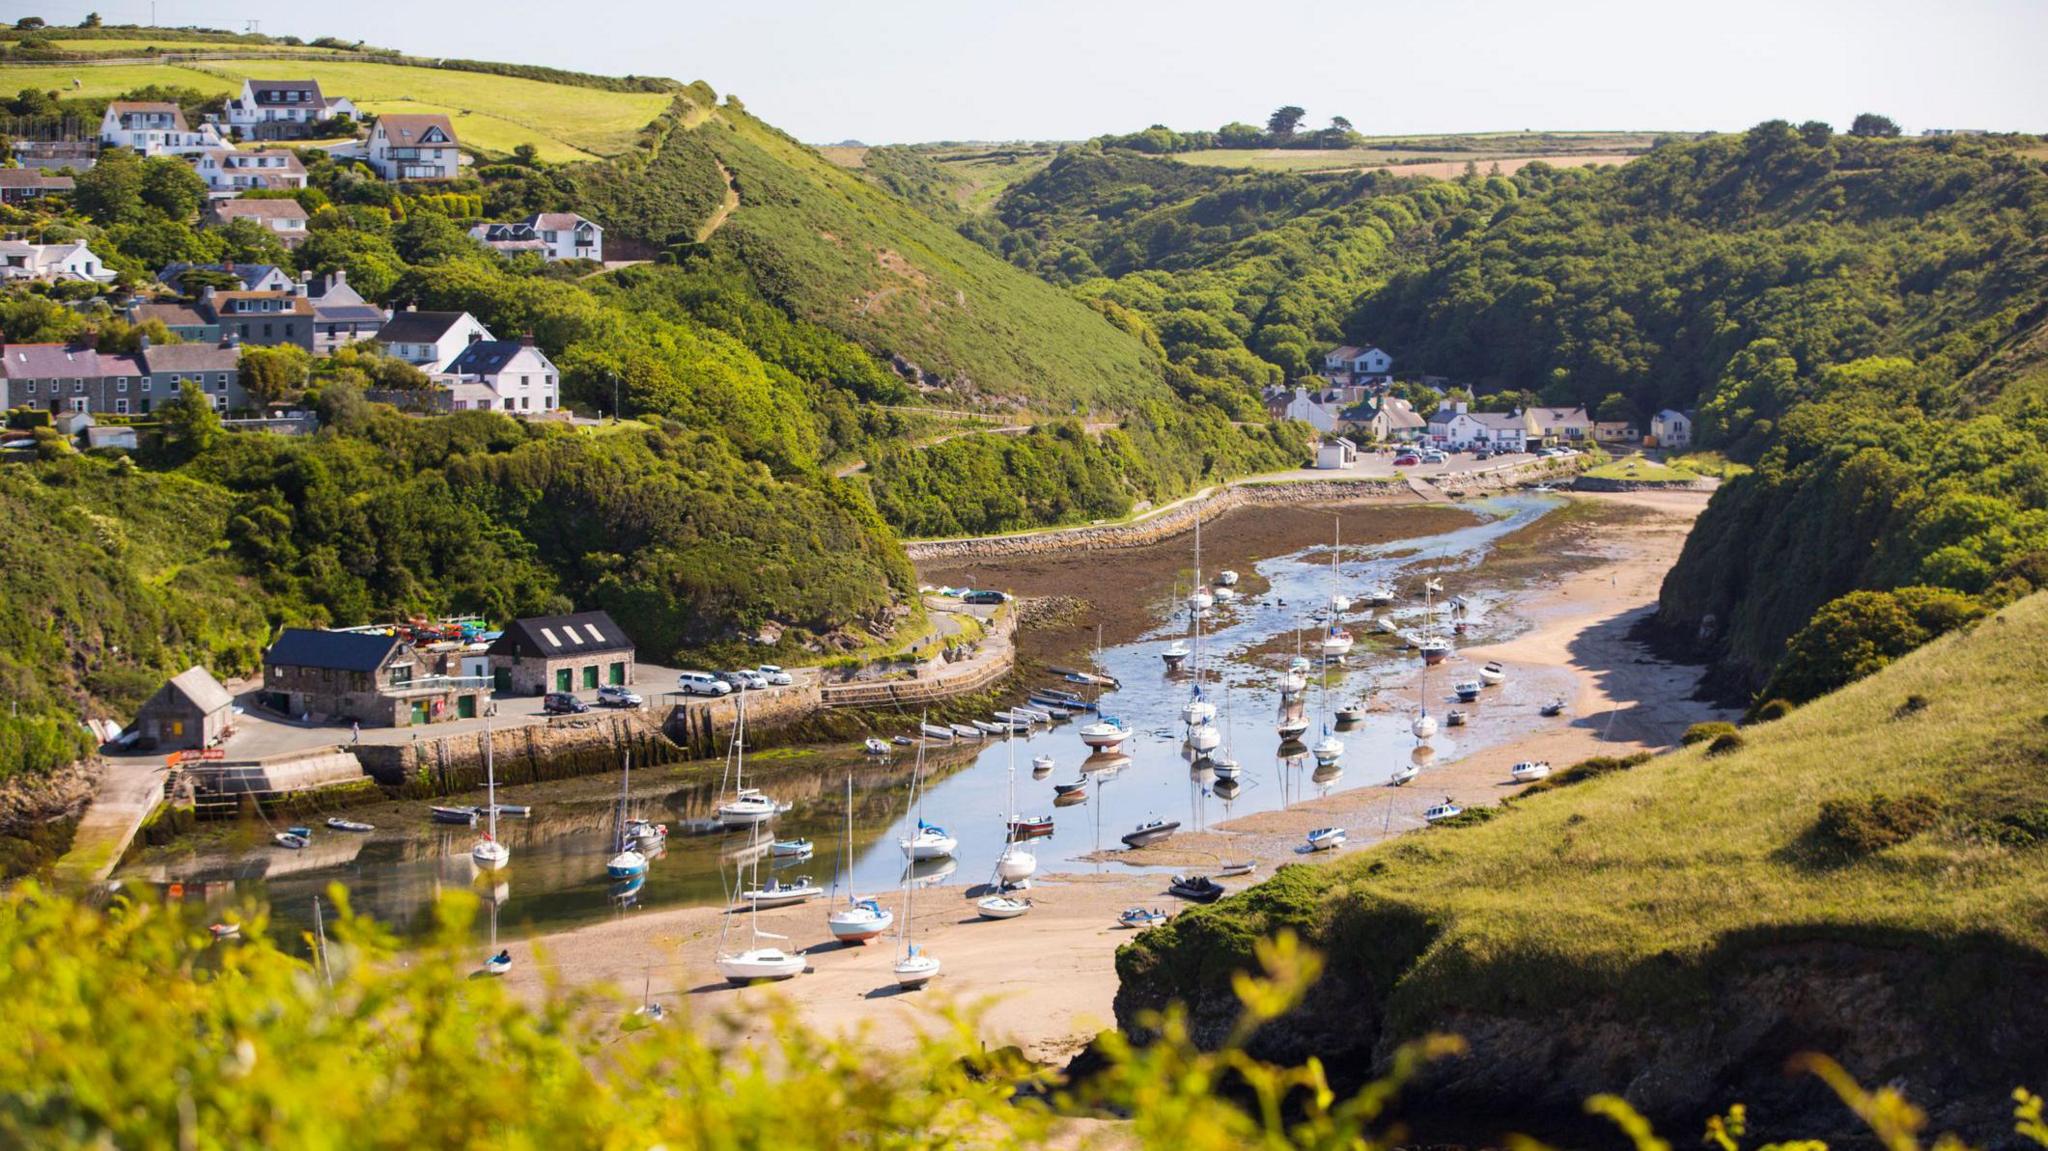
point(1677, 929)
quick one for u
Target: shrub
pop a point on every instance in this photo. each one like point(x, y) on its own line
point(1702, 732)
point(1861, 826)
point(1725, 742)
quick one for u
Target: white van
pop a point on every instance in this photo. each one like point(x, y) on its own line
point(702, 683)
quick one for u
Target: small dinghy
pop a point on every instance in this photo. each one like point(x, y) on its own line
point(1554, 708)
point(1326, 839)
point(1403, 774)
point(791, 849)
point(1195, 888)
point(1074, 788)
point(1001, 906)
point(776, 893)
point(1151, 832)
point(1243, 867)
point(498, 964)
point(339, 824)
point(1141, 918)
point(1455, 718)
point(1492, 673)
point(875, 746)
point(286, 839)
point(1031, 826)
point(1437, 813)
point(1041, 767)
point(463, 816)
point(1468, 690)
point(1529, 770)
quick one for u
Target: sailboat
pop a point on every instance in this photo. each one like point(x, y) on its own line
point(748, 805)
point(1329, 749)
point(1015, 864)
point(1336, 641)
point(489, 854)
point(628, 863)
point(862, 918)
point(915, 967)
point(756, 962)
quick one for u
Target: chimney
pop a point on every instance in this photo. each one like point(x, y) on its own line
point(526, 340)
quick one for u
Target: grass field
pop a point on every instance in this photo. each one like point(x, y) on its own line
point(492, 114)
point(1632, 883)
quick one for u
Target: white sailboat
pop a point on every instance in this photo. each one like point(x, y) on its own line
point(489, 854)
point(748, 805)
point(1015, 864)
point(914, 967)
point(862, 918)
point(1336, 641)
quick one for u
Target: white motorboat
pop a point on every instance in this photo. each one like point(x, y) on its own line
point(929, 842)
point(776, 893)
point(861, 918)
point(759, 964)
point(1404, 774)
point(1151, 832)
point(791, 849)
point(1467, 689)
point(1106, 732)
point(1326, 839)
point(1492, 673)
point(1226, 578)
point(1529, 770)
point(1437, 813)
point(1001, 906)
point(875, 746)
point(1204, 738)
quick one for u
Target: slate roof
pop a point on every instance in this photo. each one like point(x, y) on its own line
point(198, 686)
point(331, 650)
point(554, 636)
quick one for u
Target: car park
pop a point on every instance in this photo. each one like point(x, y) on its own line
point(612, 695)
point(775, 676)
point(702, 683)
point(562, 703)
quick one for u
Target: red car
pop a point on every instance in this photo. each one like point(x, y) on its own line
point(1407, 460)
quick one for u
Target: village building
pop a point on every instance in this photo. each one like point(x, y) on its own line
point(414, 146)
point(229, 172)
point(1672, 429)
point(430, 340)
point(189, 713)
point(578, 652)
point(367, 677)
point(72, 261)
point(501, 376)
point(340, 314)
point(20, 185)
point(284, 217)
point(154, 129)
point(555, 235)
point(283, 109)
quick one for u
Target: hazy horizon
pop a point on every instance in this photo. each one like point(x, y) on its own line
point(922, 70)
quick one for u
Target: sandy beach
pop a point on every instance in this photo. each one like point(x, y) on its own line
point(1046, 981)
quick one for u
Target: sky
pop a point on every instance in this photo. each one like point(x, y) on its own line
point(897, 71)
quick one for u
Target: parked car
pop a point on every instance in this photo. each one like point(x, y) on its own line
point(611, 696)
point(702, 683)
point(562, 703)
point(1407, 460)
point(984, 597)
point(744, 680)
point(775, 676)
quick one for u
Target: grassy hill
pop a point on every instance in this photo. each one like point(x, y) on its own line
point(1676, 930)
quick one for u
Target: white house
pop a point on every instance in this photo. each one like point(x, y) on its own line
point(229, 172)
point(1336, 452)
point(1350, 364)
point(414, 146)
point(285, 217)
point(283, 109)
point(430, 340)
point(20, 260)
point(555, 235)
point(502, 375)
point(1671, 429)
point(154, 129)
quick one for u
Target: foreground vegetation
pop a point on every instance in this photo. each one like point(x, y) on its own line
point(1887, 844)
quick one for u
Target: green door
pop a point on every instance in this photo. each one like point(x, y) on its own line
point(465, 706)
point(590, 678)
point(419, 711)
point(617, 674)
point(562, 679)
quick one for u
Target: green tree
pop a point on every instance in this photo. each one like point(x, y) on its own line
point(1284, 120)
point(191, 427)
point(1871, 124)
